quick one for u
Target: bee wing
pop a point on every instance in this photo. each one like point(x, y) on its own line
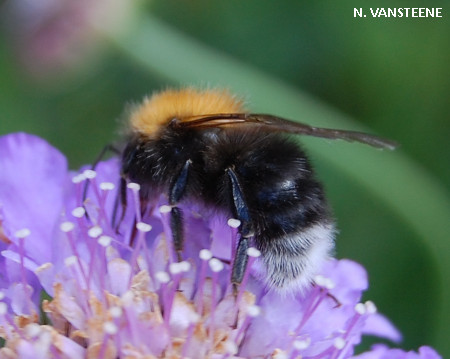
point(278, 124)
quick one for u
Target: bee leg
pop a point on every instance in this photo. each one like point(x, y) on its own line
point(122, 195)
point(100, 156)
point(239, 265)
point(336, 301)
point(124, 203)
point(246, 231)
point(177, 190)
point(176, 225)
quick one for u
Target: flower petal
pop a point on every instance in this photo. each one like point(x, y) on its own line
point(380, 326)
point(34, 176)
point(381, 351)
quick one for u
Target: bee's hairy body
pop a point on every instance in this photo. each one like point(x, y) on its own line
point(262, 178)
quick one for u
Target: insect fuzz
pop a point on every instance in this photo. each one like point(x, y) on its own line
point(201, 146)
point(261, 178)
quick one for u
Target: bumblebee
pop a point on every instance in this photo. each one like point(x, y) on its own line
point(203, 146)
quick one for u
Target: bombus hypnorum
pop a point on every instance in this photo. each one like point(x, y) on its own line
point(203, 146)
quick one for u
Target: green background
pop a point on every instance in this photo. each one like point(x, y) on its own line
point(306, 60)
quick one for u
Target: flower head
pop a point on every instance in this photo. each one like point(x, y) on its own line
point(121, 293)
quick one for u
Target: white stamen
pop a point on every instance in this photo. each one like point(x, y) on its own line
point(370, 307)
point(234, 223)
point(231, 347)
point(78, 212)
point(215, 265)
point(107, 186)
point(78, 178)
point(110, 328)
point(339, 343)
point(329, 284)
point(22, 233)
point(128, 298)
point(165, 209)
point(253, 252)
point(302, 344)
point(253, 311)
point(69, 261)
point(320, 280)
point(175, 268)
point(116, 312)
point(205, 254)
point(194, 318)
point(95, 231)
point(2, 295)
point(3, 308)
point(360, 308)
point(90, 174)
point(66, 227)
point(185, 266)
point(104, 241)
point(33, 330)
point(143, 227)
point(162, 277)
point(134, 186)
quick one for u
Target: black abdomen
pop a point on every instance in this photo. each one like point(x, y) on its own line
point(278, 183)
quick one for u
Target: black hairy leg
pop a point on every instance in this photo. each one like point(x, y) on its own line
point(245, 230)
point(101, 156)
point(176, 192)
point(122, 195)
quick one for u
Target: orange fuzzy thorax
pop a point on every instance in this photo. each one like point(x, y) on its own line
point(159, 109)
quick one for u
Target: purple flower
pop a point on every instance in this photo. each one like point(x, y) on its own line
point(121, 293)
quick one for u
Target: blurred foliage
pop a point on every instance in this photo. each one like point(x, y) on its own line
point(392, 75)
